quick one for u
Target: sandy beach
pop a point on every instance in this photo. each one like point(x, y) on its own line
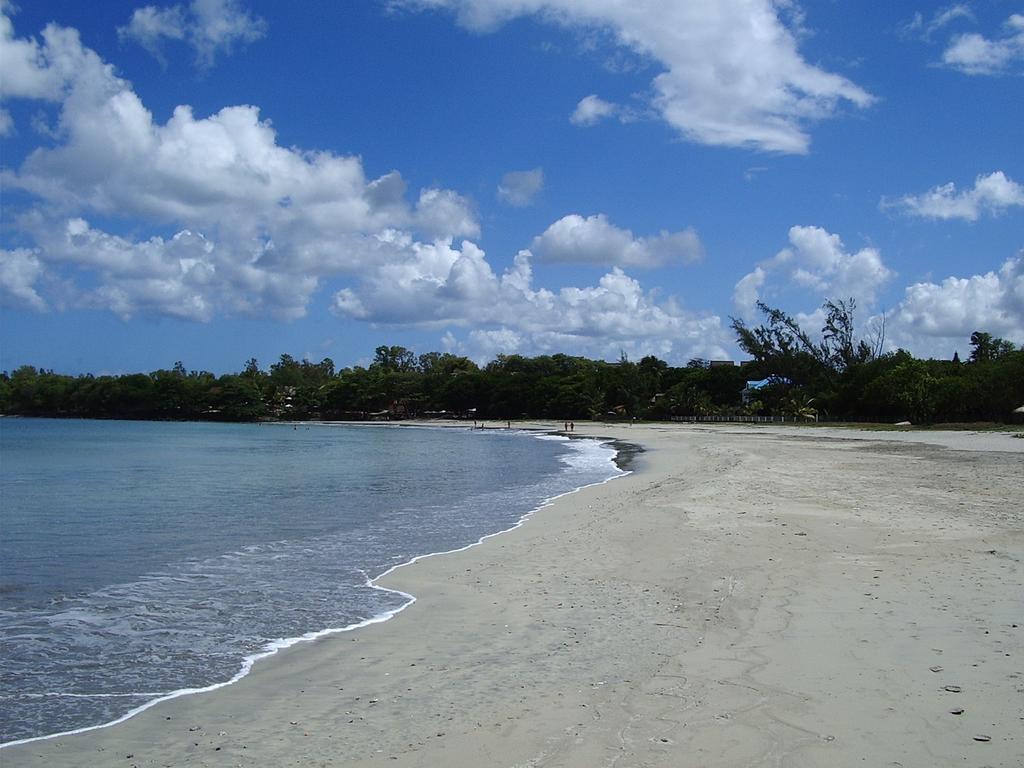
point(749, 596)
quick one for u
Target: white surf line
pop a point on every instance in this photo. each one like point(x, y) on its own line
point(62, 695)
point(274, 646)
point(248, 662)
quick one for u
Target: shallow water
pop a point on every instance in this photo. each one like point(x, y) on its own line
point(143, 558)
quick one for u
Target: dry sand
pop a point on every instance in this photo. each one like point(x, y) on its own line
point(750, 596)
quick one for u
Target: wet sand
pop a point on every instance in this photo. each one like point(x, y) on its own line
point(749, 596)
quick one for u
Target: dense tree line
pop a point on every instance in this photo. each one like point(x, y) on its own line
point(838, 377)
point(845, 378)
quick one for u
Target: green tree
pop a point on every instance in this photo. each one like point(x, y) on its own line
point(839, 349)
point(782, 344)
point(688, 398)
point(798, 405)
point(398, 359)
point(906, 392)
point(986, 348)
point(169, 397)
point(238, 398)
point(286, 372)
point(5, 393)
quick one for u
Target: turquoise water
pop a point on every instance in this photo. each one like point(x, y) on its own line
point(139, 559)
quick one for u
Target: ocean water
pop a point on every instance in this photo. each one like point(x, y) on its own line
point(141, 560)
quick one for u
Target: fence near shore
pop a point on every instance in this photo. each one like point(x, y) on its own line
point(746, 419)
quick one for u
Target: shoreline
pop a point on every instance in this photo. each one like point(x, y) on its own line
point(274, 646)
point(653, 621)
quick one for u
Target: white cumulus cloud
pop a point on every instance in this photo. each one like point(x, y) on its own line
point(817, 261)
point(520, 188)
point(183, 276)
point(209, 26)
point(444, 285)
point(259, 225)
point(208, 215)
point(591, 110)
point(595, 240)
point(975, 54)
point(20, 270)
point(42, 71)
point(935, 318)
point(444, 213)
point(485, 345)
point(732, 74)
point(747, 292)
point(991, 194)
point(151, 26)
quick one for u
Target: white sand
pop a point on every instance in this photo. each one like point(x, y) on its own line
point(750, 597)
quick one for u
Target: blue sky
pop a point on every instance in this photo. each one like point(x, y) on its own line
point(214, 180)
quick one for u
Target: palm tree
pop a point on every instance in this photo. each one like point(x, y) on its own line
point(798, 405)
